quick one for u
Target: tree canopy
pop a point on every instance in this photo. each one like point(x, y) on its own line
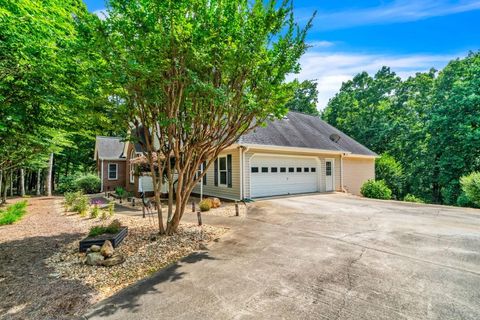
point(305, 97)
point(429, 123)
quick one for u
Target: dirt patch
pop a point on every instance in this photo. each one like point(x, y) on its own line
point(42, 275)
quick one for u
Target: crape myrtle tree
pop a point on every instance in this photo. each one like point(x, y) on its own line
point(196, 75)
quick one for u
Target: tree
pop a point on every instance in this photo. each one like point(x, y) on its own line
point(194, 76)
point(305, 97)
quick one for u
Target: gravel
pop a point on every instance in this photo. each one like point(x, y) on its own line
point(42, 275)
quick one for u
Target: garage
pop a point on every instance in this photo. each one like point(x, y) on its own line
point(272, 175)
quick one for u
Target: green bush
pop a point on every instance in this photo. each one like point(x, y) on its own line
point(376, 190)
point(67, 184)
point(388, 169)
point(89, 183)
point(95, 212)
point(81, 205)
point(411, 198)
point(13, 213)
point(122, 193)
point(471, 187)
point(205, 205)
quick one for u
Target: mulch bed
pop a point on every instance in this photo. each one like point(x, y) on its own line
point(42, 275)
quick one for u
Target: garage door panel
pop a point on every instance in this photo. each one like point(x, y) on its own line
point(269, 182)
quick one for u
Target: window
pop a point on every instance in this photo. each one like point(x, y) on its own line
point(291, 169)
point(299, 169)
point(313, 169)
point(283, 169)
point(222, 172)
point(273, 169)
point(328, 168)
point(254, 169)
point(131, 167)
point(306, 169)
point(264, 169)
point(112, 171)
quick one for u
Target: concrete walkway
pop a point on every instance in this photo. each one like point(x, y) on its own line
point(321, 257)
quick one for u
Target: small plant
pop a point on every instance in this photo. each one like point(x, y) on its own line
point(95, 212)
point(111, 208)
point(411, 198)
point(13, 213)
point(205, 205)
point(376, 190)
point(121, 193)
point(81, 205)
point(112, 228)
point(70, 198)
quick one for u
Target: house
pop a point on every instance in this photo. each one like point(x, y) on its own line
point(297, 154)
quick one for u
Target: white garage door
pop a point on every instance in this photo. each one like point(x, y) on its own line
point(278, 175)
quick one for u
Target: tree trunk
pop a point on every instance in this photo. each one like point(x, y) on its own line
point(39, 179)
point(4, 196)
point(1, 181)
point(22, 182)
point(11, 184)
point(48, 186)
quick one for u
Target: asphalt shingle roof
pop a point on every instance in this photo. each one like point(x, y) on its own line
point(110, 147)
point(304, 131)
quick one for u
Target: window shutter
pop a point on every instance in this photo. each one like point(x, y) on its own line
point(205, 176)
point(216, 172)
point(229, 170)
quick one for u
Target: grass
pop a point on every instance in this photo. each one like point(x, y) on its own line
point(98, 230)
point(13, 213)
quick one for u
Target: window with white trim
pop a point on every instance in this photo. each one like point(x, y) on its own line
point(222, 171)
point(112, 171)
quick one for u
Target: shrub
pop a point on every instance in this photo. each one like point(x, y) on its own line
point(13, 213)
point(471, 187)
point(95, 212)
point(376, 190)
point(67, 184)
point(81, 205)
point(205, 205)
point(388, 169)
point(122, 193)
point(89, 183)
point(411, 198)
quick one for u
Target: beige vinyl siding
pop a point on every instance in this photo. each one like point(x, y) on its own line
point(356, 171)
point(321, 168)
point(232, 193)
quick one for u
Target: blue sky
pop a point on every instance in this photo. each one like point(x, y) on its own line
point(350, 36)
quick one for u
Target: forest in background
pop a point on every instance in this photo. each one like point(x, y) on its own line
point(426, 128)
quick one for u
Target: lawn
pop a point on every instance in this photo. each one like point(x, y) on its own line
point(13, 213)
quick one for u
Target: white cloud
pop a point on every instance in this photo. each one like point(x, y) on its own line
point(320, 44)
point(392, 12)
point(331, 69)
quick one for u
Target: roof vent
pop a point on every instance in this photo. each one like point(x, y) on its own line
point(334, 137)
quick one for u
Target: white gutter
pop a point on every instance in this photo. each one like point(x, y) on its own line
point(101, 177)
point(293, 149)
point(241, 172)
point(201, 182)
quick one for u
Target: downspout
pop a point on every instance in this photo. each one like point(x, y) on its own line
point(101, 177)
point(241, 172)
point(341, 174)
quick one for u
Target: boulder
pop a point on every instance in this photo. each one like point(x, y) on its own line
point(216, 203)
point(107, 249)
point(95, 248)
point(113, 261)
point(94, 259)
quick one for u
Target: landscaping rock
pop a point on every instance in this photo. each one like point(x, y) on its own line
point(216, 203)
point(94, 259)
point(107, 249)
point(113, 261)
point(95, 248)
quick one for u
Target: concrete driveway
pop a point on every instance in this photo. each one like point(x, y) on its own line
point(327, 256)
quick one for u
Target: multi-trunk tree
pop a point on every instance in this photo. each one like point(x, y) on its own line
point(195, 75)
